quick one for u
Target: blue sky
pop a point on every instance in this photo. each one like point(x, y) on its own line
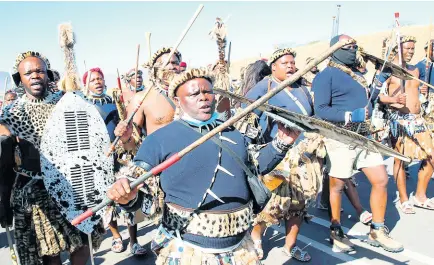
point(108, 32)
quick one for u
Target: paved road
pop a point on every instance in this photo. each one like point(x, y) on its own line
point(415, 231)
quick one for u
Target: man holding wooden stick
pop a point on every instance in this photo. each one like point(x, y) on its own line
point(205, 219)
point(408, 130)
point(109, 113)
point(157, 109)
point(342, 97)
point(289, 193)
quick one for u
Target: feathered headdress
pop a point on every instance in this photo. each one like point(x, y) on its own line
point(70, 80)
point(222, 78)
point(394, 52)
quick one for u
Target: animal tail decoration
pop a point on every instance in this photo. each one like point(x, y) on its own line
point(222, 78)
point(70, 80)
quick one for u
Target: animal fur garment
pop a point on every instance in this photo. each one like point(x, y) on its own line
point(281, 52)
point(222, 78)
point(70, 80)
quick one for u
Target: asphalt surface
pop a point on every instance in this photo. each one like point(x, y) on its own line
point(416, 232)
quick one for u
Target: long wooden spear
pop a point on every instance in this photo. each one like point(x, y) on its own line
point(137, 66)
point(148, 42)
point(199, 9)
point(137, 107)
point(176, 157)
point(428, 58)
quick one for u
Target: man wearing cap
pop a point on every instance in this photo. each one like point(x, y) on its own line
point(342, 98)
point(206, 221)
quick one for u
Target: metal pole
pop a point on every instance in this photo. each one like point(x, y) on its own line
point(337, 20)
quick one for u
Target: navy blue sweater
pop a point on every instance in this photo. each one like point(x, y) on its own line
point(335, 93)
point(421, 66)
point(282, 100)
point(185, 182)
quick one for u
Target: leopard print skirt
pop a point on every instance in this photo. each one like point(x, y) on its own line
point(40, 229)
point(295, 182)
point(209, 223)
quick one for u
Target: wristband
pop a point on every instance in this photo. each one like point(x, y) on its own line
point(280, 145)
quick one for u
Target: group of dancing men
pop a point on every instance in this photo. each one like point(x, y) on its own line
point(204, 205)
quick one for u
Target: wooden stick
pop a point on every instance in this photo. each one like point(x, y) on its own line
point(398, 40)
point(119, 80)
point(5, 89)
point(176, 157)
point(137, 66)
point(229, 54)
point(88, 81)
point(428, 57)
point(148, 41)
point(183, 35)
point(130, 118)
point(423, 82)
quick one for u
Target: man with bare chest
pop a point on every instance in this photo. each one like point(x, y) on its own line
point(408, 132)
point(157, 110)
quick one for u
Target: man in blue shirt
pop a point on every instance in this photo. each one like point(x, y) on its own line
point(342, 97)
point(426, 74)
point(295, 98)
point(208, 202)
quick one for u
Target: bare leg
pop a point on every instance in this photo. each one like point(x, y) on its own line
point(113, 225)
point(47, 260)
point(80, 256)
point(132, 229)
point(292, 226)
point(400, 179)
point(257, 232)
point(353, 196)
point(378, 200)
point(424, 176)
point(336, 187)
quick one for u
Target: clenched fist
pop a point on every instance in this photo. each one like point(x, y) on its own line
point(121, 191)
point(124, 130)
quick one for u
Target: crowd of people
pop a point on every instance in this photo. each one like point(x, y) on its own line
point(204, 206)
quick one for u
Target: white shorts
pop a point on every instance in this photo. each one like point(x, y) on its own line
point(341, 161)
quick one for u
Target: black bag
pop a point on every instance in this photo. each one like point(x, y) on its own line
point(261, 194)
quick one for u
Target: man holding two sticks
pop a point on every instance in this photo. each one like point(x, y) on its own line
point(210, 225)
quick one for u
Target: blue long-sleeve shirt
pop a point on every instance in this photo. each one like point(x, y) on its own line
point(281, 99)
point(421, 66)
point(335, 93)
point(185, 182)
